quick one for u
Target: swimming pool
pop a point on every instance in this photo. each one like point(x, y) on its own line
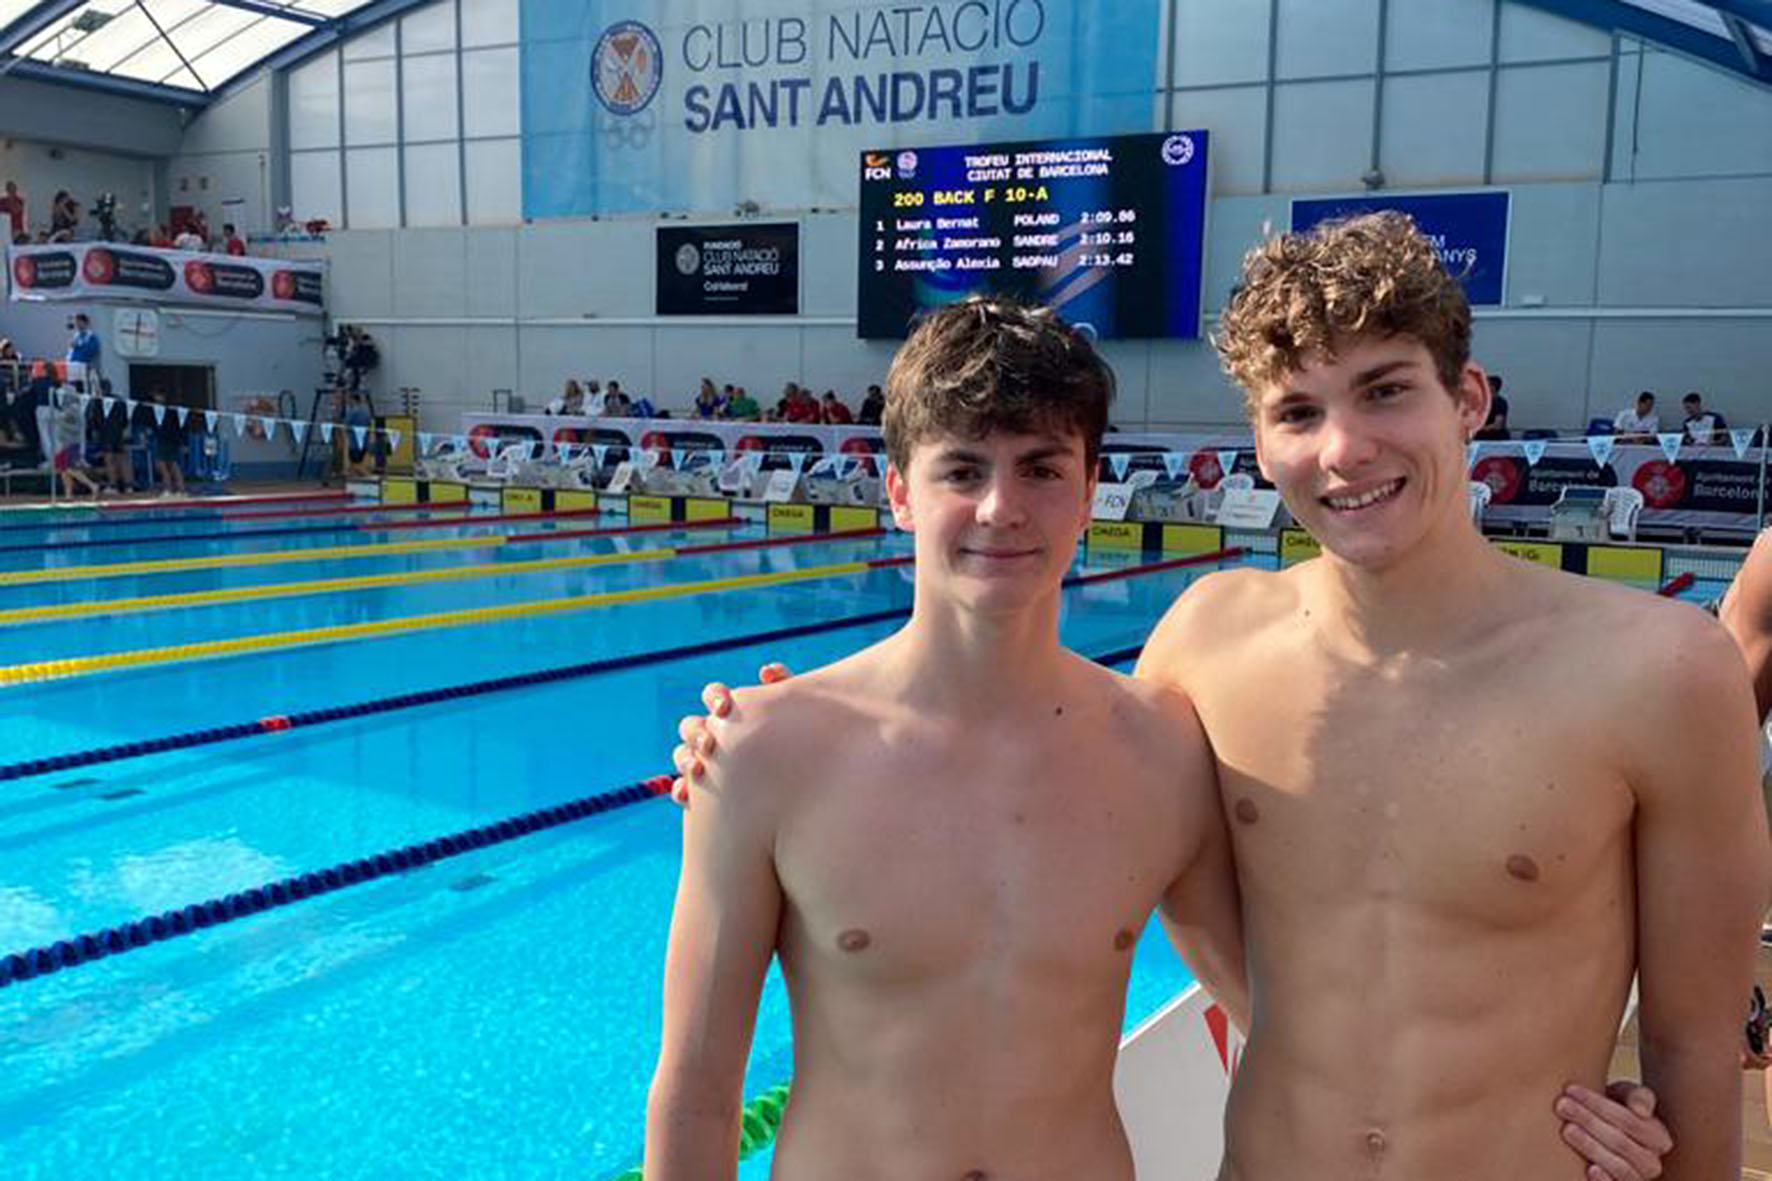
point(492, 1015)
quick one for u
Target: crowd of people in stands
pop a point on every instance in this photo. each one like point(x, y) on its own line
point(728, 403)
point(67, 224)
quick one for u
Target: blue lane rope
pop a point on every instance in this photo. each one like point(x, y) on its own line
point(97, 945)
point(278, 723)
point(50, 958)
point(163, 538)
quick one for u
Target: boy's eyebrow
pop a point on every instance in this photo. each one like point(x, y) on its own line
point(1364, 377)
point(961, 455)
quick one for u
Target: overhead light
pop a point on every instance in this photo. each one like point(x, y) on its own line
point(91, 21)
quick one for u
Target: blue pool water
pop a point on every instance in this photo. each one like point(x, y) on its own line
point(494, 1015)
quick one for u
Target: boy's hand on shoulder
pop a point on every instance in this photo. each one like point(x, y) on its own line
point(697, 734)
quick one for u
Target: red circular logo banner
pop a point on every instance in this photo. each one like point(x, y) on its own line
point(24, 271)
point(1501, 474)
point(199, 277)
point(1662, 484)
point(100, 266)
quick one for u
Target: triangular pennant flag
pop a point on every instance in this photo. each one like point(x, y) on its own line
point(1473, 451)
point(326, 432)
point(393, 439)
point(1601, 448)
point(598, 451)
point(1227, 460)
point(753, 462)
point(110, 405)
point(797, 459)
point(562, 451)
point(425, 438)
point(159, 414)
point(184, 415)
point(717, 456)
point(1670, 444)
point(269, 424)
point(1740, 437)
point(298, 428)
point(240, 425)
point(209, 417)
point(1174, 464)
point(1534, 449)
point(1119, 462)
point(360, 433)
point(649, 459)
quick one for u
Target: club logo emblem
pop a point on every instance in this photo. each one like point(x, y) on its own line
point(626, 67)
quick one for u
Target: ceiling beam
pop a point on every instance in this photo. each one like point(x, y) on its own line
point(37, 71)
point(1618, 16)
point(35, 19)
point(1744, 40)
point(264, 8)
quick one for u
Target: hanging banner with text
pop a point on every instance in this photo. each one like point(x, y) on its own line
point(745, 269)
point(1468, 229)
point(645, 105)
point(111, 271)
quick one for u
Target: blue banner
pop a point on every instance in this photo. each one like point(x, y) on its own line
point(665, 105)
point(1468, 229)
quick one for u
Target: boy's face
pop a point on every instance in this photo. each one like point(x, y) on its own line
point(1368, 448)
point(996, 519)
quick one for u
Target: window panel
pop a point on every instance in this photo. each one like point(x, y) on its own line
point(488, 22)
point(1324, 37)
point(369, 102)
point(315, 186)
point(433, 185)
point(313, 103)
point(429, 86)
point(492, 98)
point(372, 183)
point(495, 182)
point(429, 29)
point(377, 42)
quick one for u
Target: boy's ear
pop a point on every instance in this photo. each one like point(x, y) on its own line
point(898, 496)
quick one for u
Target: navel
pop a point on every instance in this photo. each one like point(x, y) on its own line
point(854, 939)
point(1247, 812)
point(1522, 867)
point(1375, 1144)
point(1124, 939)
point(976, 1175)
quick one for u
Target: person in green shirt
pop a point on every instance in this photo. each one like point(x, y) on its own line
point(743, 407)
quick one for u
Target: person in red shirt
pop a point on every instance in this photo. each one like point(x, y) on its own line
point(834, 412)
point(798, 405)
point(231, 240)
point(13, 206)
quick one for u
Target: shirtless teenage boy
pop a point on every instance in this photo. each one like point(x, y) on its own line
point(954, 837)
point(1463, 811)
point(1417, 984)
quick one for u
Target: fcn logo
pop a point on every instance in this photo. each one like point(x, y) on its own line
point(626, 67)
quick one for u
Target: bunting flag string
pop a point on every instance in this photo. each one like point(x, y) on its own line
point(1174, 464)
point(1670, 444)
point(1601, 448)
point(1227, 460)
point(1119, 462)
point(361, 434)
point(1739, 438)
point(1534, 449)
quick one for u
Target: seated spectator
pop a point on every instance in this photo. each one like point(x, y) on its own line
point(188, 239)
point(872, 406)
point(743, 407)
point(798, 405)
point(161, 238)
point(64, 217)
point(832, 410)
point(571, 400)
point(1704, 428)
point(1495, 427)
point(1638, 424)
point(615, 402)
point(708, 402)
point(231, 241)
point(169, 446)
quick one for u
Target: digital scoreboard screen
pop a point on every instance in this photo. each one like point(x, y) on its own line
point(1108, 230)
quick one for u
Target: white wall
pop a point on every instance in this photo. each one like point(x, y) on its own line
point(223, 165)
point(42, 168)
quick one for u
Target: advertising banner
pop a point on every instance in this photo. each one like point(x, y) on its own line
point(745, 269)
point(642, 105)
point(114, 271)
point(1468, 229)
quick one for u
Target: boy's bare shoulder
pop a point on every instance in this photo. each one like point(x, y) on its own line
point(1224, 607)
point(774, 733)
point(1156, 715)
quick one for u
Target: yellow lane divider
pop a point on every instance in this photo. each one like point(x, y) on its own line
point(318, 586)
point(111, 662)
point(328, 553)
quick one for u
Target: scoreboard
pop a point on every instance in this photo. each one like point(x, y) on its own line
point(1109, 230)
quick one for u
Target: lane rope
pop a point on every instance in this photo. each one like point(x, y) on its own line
point(280, 723)
point(106, 523)
point(470, 519)
point(88, 609)
point(48, 959)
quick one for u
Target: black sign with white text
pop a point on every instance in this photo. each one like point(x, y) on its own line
point(743, 270)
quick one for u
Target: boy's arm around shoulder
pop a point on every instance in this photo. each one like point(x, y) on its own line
point(723, 934)
point(1702, 880)
point(1202, 908)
